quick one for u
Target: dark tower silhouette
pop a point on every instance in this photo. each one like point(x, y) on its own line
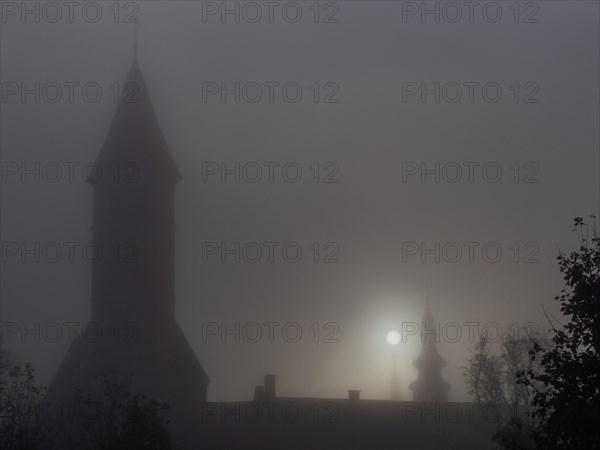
point(429, 386)
point(133, 282)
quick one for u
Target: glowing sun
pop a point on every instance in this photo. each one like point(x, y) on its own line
point(393, 337)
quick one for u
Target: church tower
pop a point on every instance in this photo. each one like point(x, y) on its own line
point(429, 386)
point(133, 280)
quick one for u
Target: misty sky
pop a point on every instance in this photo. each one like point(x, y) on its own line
point(368, 134)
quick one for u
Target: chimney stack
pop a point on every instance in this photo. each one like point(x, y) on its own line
point(259, 393)
point(269, 387)
point(353, 395)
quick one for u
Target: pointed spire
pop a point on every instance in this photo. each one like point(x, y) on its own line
point(135, 32)
point(135, 137)
point(428, 324)
point(135, 44)
point(395, 382)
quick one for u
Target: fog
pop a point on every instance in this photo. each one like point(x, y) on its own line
point(373, 219)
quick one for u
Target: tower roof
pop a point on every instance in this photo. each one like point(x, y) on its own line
point(429, 359)
point(429, 385)
point(135, 136)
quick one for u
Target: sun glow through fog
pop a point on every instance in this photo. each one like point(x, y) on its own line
point(393, 337)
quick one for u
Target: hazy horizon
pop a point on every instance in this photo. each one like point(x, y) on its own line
point(367, 141)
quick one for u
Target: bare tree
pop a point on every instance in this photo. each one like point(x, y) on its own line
point(491, 377)
point(20, 400)
point(117, 420)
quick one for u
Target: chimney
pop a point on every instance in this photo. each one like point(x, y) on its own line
point(259, 393)
point(269, 387)
point(353, 395)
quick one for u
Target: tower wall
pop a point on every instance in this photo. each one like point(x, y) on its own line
point(133, 282)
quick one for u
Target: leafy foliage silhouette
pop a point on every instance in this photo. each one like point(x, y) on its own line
point(567, 407)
